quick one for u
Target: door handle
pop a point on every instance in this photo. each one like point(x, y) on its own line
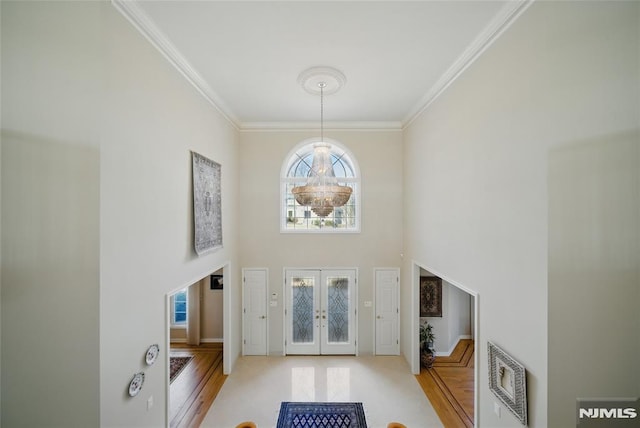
point(379, 317)
point(263, 317)
point(324, 317)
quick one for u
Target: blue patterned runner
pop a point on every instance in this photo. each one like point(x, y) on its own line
point(321, 415)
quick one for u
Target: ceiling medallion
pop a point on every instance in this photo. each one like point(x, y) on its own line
point(333, 79)
point(322, 192)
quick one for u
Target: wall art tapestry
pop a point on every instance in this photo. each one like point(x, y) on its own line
point(207, 213)
point(430, 296)
point(508, 381)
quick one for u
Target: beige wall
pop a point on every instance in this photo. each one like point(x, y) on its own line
point(594, 247)
point(456, 312)
point(97, 131)
point(564, 73)
point(211, 314)
point(50, 277)
point(50, 219)
point(178, 335)
point(156, 119)
point(379, 156)
point(211, 311)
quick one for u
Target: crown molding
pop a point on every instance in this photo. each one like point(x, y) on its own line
point(145, 25)
point(314, 126)
point(503, 20)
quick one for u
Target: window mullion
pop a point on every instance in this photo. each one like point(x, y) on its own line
point(296, 218)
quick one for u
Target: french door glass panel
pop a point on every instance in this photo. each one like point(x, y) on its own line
point(303, 299)
point(338, 309)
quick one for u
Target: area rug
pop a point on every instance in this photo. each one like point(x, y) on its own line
point(321, 415)
point(176, 365)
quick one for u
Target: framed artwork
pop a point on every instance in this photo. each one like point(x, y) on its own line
point(207, 212)
point(216, 282)
point(430, 296)
point(507, 380)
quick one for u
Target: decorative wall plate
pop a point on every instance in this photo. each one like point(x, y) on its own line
point(152, 354)
point(136, 384)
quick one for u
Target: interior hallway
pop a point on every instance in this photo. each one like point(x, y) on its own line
point(196, 385)
point(449, 384)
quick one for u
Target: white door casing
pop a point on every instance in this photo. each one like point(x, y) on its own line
point(255, 311)
point(387, 313)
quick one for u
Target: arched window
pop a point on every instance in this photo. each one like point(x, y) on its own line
point(295, 170)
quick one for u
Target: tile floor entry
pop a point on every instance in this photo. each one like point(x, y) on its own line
point(384, 384)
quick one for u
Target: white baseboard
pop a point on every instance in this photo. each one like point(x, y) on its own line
point(450, 351)
point(209, 340)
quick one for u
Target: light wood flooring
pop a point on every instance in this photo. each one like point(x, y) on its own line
point(192, 392)
point(449, 386)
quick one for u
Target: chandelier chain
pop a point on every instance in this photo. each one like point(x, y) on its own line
point(322, 85)
point(322, 193)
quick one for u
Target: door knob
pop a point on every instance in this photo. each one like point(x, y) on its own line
point(324, 317)
point(263, 317)
point(379, 317)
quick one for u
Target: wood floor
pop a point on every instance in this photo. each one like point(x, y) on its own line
point(192, 392)
point(449, 386)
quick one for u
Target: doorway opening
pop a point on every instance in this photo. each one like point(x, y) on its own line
point(451, 310)
point(195, 351)
point(321, 311)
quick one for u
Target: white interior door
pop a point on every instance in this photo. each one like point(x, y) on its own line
point(320, 312)
point(387, 312)
point(254, 296)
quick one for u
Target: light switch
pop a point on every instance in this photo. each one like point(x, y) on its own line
point(273, 303)
point(368, 304)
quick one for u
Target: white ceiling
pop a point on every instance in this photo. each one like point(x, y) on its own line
point(245, 57)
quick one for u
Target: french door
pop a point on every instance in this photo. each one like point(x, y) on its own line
point(320, 312)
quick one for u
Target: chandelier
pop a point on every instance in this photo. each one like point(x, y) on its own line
point(322, 192)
